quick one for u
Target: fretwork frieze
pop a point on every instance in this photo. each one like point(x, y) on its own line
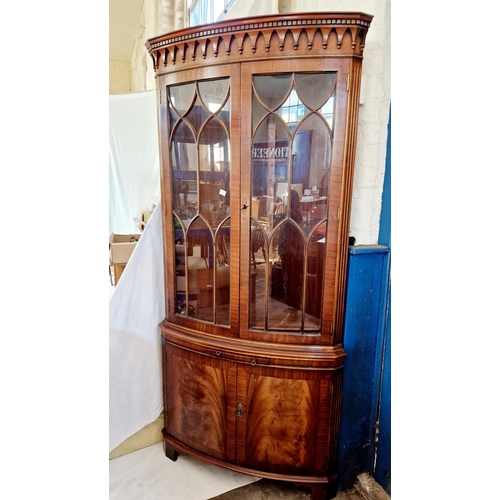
point(269, 36)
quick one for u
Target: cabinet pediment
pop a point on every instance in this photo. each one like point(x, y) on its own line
point(264, 36)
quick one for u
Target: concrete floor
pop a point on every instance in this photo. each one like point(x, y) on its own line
point(148, 474)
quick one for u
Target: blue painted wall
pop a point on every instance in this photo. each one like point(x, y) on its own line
point(363, 341)
point(382, 471)
point(365, 426)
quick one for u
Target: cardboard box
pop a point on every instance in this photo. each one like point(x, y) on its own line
point(121, 247)
point(145, 217)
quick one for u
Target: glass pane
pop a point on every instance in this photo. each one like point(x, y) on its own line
point(327, 110)
point(181, 254)
point(293, 110)
point(224, 115)
point(213, 93)
point(257, 269)
point(258, 112)
point(291, 156)
point(173, 117)
point(214, 172)
point(223, 277)
point(270, 167)
point(183, 149)
point(184, 173)
point(286, 280)
point(197, 116)
point(272, 89)
point(200, 161)
point(315, 276)
point(311, 153)
point(181, 97)
point(200, 270)
point(214, 146)
point(315, 88)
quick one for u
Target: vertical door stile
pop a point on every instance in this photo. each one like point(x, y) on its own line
point(241, 399)
point(245, 200)
point(235, 202)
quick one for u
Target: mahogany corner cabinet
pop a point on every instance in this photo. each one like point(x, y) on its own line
point(257, 123)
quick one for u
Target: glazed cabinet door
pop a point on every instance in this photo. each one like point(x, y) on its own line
point(292, 146)
point(199, 116)
point(200, 394)
point(284, 419)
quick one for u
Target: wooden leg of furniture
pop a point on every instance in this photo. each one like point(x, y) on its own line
point(170, 451)
point(318, 491)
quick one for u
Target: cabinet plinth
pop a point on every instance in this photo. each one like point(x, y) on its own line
point(257, 124)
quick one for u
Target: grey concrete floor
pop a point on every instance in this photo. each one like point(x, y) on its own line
point(365, 488)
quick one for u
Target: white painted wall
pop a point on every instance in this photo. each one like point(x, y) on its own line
point(373, 113)
point(157, 17)
point(119, 77)
point(160, 16)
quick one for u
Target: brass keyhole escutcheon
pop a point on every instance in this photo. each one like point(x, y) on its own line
point(239, 411)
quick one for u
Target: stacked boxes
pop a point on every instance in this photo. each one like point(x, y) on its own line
point(121, 247)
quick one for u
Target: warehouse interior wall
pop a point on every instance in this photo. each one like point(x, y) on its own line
point(159, 17)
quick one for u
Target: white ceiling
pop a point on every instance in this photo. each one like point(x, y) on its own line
point(124, 17)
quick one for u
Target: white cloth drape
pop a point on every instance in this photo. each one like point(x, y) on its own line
point(136, 308)
point(134, 160)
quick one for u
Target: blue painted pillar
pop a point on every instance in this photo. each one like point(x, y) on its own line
point(364, 343)
point(382, 472)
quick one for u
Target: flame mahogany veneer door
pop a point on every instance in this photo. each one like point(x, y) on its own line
point(200, 400)
point(285, 420)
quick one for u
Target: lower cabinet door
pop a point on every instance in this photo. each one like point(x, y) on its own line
point(200, 394)
point(283, 423)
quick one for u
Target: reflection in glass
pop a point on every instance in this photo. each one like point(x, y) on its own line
point(181, 97)
point(293, 110)
point(291, 254)
point(259, 260)
point(316, 256)
point(311, 152)
point(272, 90)
point(223, 277)
point(181, 255)
point(223, 115)
point(327, 111)
point(270, 165)
point(200, 162)
point(290, 198)
point(214, 146)
point(183, 159)
point(258, 113)
point(200, 270)
point(214, 172)
point(315, 88)
point(213, 93)
point(197, 116)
